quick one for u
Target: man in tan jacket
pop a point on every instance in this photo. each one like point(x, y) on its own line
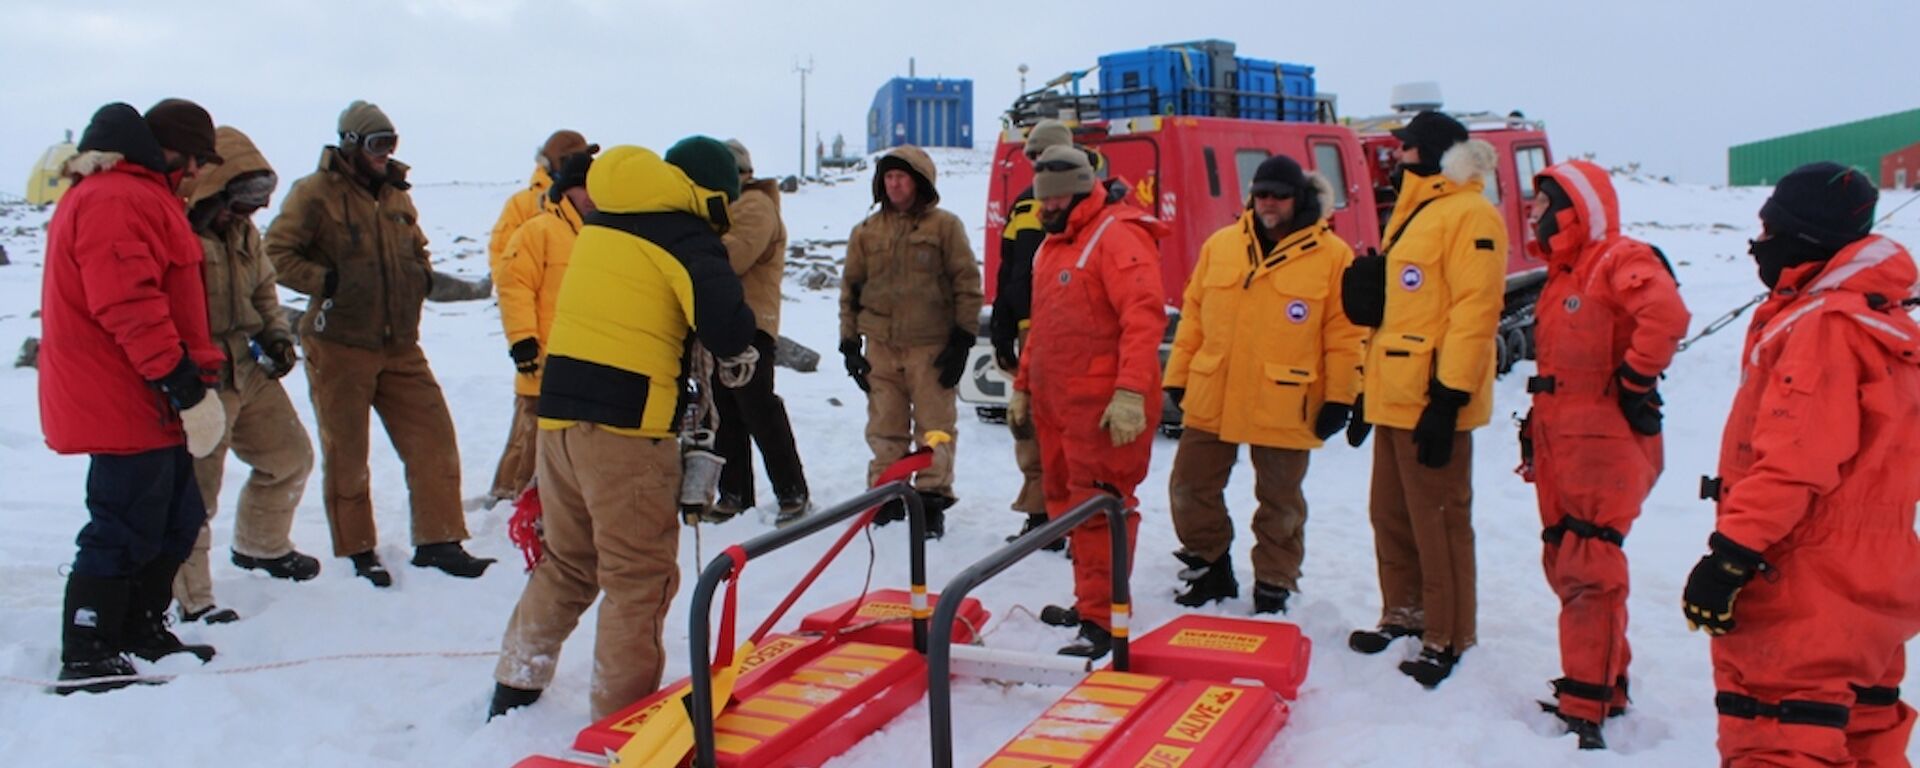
point(245, 321)
point(911, 289)
point(348, 236)
point(752, 412)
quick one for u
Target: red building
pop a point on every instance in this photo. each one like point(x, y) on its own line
point(1900, 169)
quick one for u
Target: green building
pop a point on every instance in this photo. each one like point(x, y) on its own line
point(1859, 144)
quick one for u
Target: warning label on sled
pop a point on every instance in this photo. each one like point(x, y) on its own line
point(879, 610)
point(1232, 642)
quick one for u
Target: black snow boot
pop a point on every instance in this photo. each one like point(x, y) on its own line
point(1060, 616)
point(145, 633)
point(1268, 598)
point(1371, 641)
point(89, 629)
point(367, 565)
point(507, 698)
point(292, 566)
point(893, 511)
point(1207, 581)
point(1433, 666)
point(935, 506)
point(1035, 520)
point(450, 557)
point(1586, 731)
point(211, 614)
point(1093, 642)
point(727, 507)
point(794, 504)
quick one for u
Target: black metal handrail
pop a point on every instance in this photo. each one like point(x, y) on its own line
point(699, 629)
point(939, 647)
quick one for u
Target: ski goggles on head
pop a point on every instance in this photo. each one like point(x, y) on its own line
point(379, 142)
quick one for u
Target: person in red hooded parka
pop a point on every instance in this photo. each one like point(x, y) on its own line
point(1609, 319)
point(1818, 482)
point(1093, 357)
point(125, 368)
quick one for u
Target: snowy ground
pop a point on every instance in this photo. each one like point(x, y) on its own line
point(395, 702)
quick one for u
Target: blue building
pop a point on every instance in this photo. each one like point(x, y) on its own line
point(926, 112)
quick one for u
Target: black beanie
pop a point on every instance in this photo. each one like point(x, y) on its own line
point(1824, 203)
point(571, 173)
point(708, 163)
point(1433, 133)
point(1280, 175)
point(118, 127)
point(184, 127)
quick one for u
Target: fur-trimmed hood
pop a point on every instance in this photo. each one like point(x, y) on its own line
point(1469, 160)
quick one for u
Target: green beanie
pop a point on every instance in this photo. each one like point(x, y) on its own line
point(708, 163)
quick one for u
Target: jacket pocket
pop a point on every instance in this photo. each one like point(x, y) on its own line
point(1284, 395)
point(1406, 366)
point(1206, 389)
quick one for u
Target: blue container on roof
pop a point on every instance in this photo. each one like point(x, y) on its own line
point(1205, 79)
point(922, 111)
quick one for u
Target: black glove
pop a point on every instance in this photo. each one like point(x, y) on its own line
point(526, 355)
point(1639, 399)
point(1363, 289)
point(1005, 356)
point(952, 361)
point(1179, 395)
point(330, 285)
point(280, 353)
point(1333, 418)
point(1357, 426)
point(182, 385)
point(857, 365)
point(1433, 433)
point(1716, 580)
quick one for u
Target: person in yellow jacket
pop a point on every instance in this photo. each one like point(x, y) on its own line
point(534, 199)
point(1264, 356)
point(528, 278)
point(648, 276)
point(527, 204)
point(1434, 299)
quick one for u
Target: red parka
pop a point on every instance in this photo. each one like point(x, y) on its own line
point(1098, 317)
point(120, 299)
point(1608, 300)
point(1821, 477)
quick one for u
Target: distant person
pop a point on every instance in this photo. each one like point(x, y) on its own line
point(1012, 310)
point(528, 279)
point(126, 368)
point(1093, 359)
point(1434, 299)
point(349, 237)
point(1607, 324)
point(752, 413)
point(910, 290)
point(649, 275)
point(515, 469)
point(1813, 532)
point(1265, 357)
point(262, 429)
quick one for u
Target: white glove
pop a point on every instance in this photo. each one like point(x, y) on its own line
point(736, 371)
point(206, 424)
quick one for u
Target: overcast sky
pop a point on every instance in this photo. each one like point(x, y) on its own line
point(475, 85)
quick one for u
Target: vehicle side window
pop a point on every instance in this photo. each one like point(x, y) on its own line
point(1213, 172)
point(1246, 162)
point(1528, 162)
point(1326, 161)
point(1490, 186)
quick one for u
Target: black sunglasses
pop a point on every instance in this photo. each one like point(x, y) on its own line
point(1266, 195)
point(1056, 166)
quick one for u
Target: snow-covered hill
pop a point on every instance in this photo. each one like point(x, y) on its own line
point(413, 684)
